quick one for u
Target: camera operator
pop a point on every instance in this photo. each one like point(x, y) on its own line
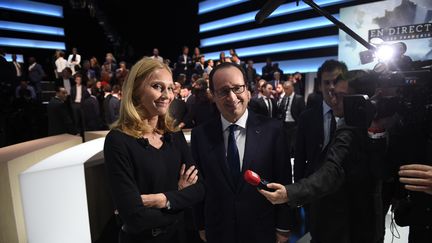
point(413, 203)
point(346, 184)
point(409, 155)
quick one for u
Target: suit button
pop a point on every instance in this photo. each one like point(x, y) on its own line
point(428, 209)
point(428, 227)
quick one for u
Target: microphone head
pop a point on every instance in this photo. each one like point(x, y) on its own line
point(252, 178)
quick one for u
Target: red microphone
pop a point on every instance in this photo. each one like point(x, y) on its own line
point(255, 180)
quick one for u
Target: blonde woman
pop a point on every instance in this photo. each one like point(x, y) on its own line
point(148, 163)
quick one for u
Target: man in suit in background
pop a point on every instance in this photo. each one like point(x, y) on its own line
point(178, 108)
point(35, 74)
point(251, 74)
point(276, 79)
point(184, 63)
point(224, 148)
point(59, 117)
point(315, 130)
point(18, 69)
point(299, 86)
point(264, 105)
point(289, 110)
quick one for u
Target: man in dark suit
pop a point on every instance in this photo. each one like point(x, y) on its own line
point(35, 74)
point(276, 79)
point(250, 74)
point(178, 108)
point(267, 70)
point(65, 80)
point(18, 69)
point(78, 94)
point(264, 105)
point(289, 110)
point(59, 117)
point(7, 79)
point(314, 129)
point(224, 148)
point(184, 63)
point(314, 133)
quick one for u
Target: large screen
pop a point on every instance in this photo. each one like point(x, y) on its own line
point(389, 22)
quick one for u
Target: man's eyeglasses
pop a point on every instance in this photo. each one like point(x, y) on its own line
point(227, 90)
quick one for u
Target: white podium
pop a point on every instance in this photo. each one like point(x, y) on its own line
point(54, 196)
point(15, 159)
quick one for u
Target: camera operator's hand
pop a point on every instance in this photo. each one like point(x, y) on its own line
point(417, 177)
point(279, 196)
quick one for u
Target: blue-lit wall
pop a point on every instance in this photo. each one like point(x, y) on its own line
point(296, 37)
point(32, 28)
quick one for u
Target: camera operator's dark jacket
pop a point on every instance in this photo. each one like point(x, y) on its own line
point(344, 191)
point(413, 209)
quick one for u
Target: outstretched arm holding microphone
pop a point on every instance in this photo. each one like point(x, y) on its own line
point(346, 187)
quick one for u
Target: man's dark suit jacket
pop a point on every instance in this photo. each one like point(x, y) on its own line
point(344, 194)
point(84, 93)
point(36, 74)
point(59, 82)
point(181, 65)
point(297, 107)
point(91, 112)
point(258, 105)
point(178, 110)
point(251, 76)
point(309, 142)
point(59, 118)
point(238, 213)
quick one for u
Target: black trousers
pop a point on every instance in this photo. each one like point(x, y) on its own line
point(290, 129)
point(171, 234)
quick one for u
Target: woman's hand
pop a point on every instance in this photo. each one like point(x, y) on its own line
point(188, 177)
point(157, 200)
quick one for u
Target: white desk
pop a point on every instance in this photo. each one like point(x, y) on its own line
point(54, 196)
point(15, 159)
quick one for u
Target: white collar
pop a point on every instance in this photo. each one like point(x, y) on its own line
point(292, 95)
point(241, 122)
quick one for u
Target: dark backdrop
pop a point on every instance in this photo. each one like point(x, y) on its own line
point(131, 29)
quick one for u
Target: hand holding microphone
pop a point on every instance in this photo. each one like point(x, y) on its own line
point(274, 192)
point(255, 180)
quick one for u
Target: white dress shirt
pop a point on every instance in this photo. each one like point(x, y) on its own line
point(72, 64)
point(239, 134)
point(78, 93)
point(288, 115)
point(61, 64)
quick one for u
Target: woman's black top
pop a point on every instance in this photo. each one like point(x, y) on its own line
point(135, 167)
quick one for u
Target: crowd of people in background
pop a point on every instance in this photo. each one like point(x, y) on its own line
point(93, 88)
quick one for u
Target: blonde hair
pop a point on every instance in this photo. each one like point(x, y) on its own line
point(132, 119)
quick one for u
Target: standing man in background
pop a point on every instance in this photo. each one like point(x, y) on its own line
point(74, 61)
point(314, 132)
point(289, 110)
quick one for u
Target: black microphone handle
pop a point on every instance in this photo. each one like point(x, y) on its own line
point(263, 185)
point(267, 9)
